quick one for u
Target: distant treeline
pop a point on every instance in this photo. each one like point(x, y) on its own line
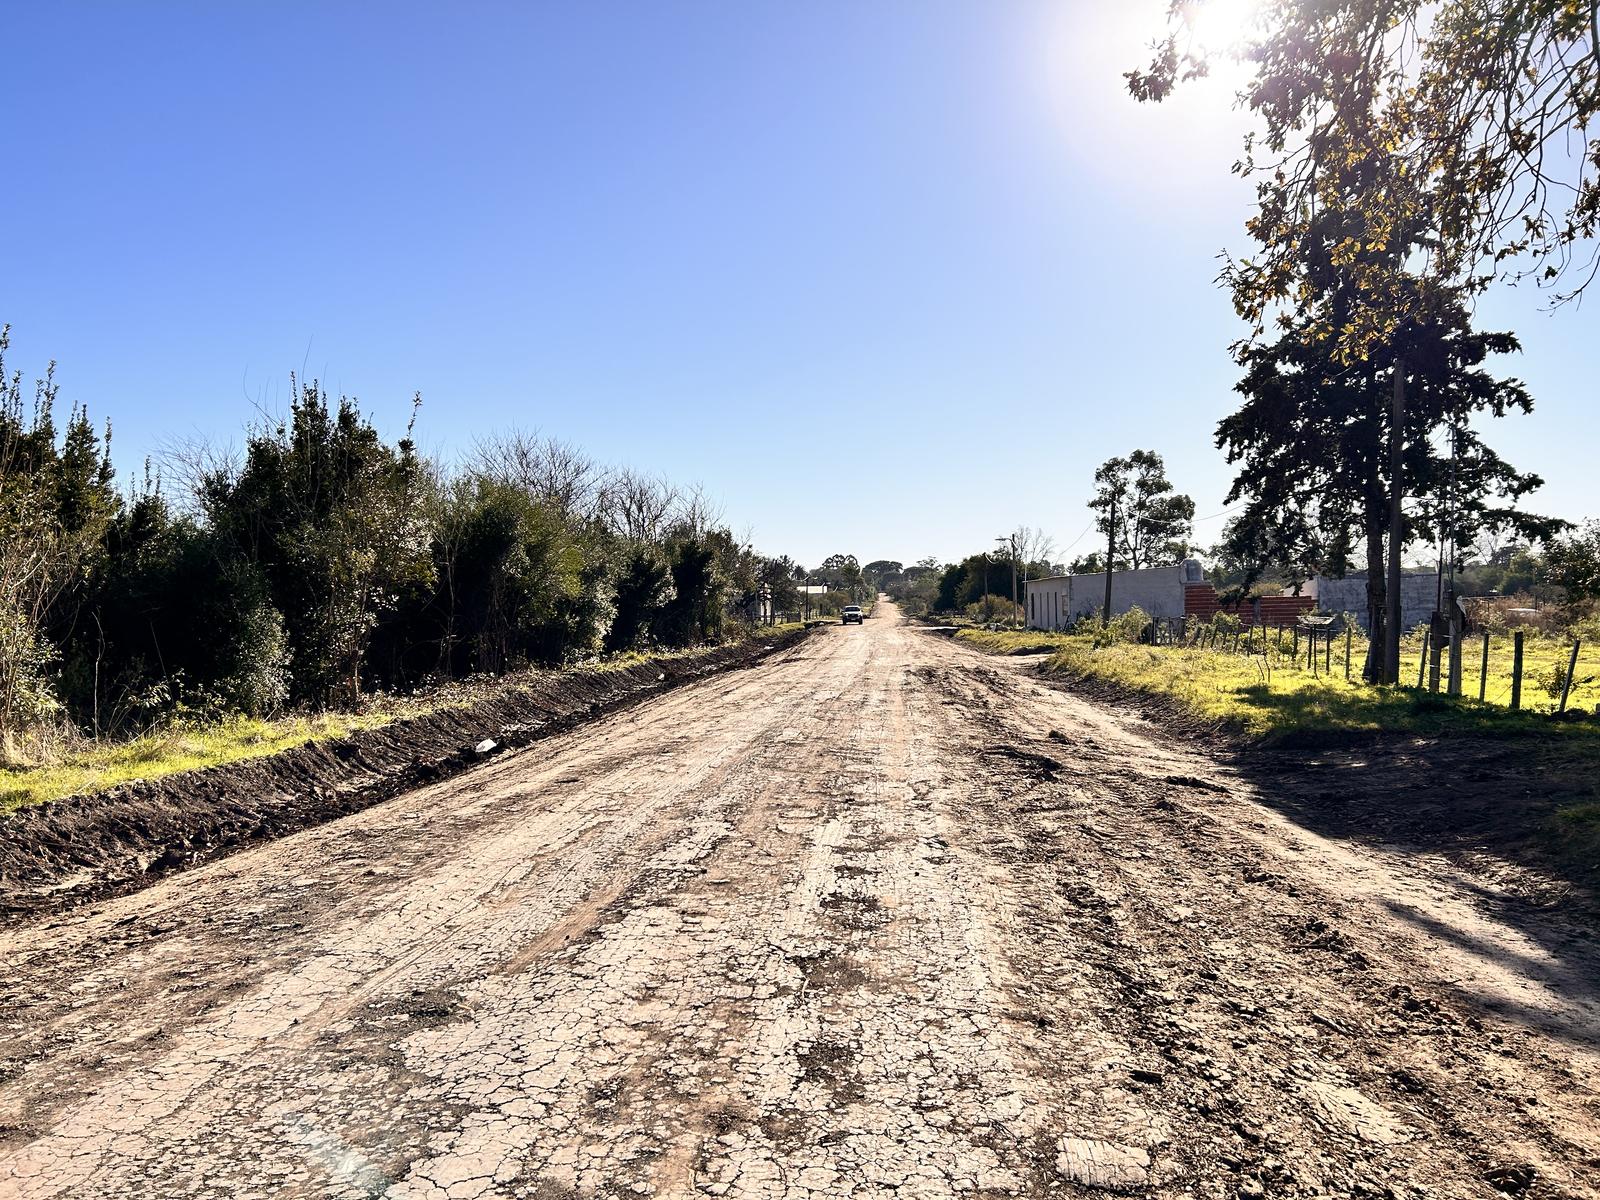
point(325, 561)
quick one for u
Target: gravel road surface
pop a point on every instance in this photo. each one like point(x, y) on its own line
point(881, 917)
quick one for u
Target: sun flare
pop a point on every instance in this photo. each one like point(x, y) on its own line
point(1220, 25)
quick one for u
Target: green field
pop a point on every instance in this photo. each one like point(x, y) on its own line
point(1267, 693)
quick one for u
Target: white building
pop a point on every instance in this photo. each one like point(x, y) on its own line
point(1057, 601)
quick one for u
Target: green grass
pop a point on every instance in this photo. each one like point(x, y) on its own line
point(103, 766)
point(95, 767)
point(1268, 696)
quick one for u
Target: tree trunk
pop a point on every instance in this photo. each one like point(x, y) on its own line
point(1377, 614)
point(1374, 517)
point(1397, 529)
point(1111, 550)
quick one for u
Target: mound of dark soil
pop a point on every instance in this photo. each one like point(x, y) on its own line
point(81, 848)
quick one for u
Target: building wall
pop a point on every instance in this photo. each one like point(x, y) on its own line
point(1056, 603)
point(1200, 600)
point(1418, 592)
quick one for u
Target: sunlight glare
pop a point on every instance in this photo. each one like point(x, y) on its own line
point(1219, 26)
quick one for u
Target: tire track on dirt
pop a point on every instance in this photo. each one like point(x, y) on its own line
point(1308, 1033)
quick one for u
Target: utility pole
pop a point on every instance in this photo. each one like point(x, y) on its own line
point(1394, 612)
point(1011, 544)
point(1111, 550)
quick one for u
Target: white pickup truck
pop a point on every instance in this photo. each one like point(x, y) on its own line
point(849, 613)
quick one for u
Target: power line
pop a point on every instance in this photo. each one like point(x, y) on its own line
point(1077, 539)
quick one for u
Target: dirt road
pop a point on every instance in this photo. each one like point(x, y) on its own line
point(881, 917)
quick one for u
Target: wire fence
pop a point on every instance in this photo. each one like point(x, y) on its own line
point(1522, 668)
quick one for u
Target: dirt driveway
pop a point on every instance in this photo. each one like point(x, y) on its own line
point(881, 917)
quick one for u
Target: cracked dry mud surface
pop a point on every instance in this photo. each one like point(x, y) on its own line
point(881, 917)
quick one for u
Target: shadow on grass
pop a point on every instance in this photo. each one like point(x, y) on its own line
point(1308, 717)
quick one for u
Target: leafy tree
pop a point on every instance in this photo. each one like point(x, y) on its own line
point(1364, 270)
point(842, 573)
point(738, 567)
point(1475, 101)
point(520, 591)
point(332, 516)
point(1158, 522)
point(56, 500)
point(1315, 441)
point(1573, 564)
point(882, 574)
point(1112, 481)
point(780, 577)
point(327, 559)
point(172, 618)
point(964, 583)
point(917, 586)
point(693, 613)
point(1087, 564)
point(1144, 522)
point(641, 586)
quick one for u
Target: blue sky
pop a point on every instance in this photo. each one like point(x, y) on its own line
point(887, 278)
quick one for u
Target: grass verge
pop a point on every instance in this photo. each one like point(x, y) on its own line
point(102, 766)
point(1252, 697)
point(98, 766)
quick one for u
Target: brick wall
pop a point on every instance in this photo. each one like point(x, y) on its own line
point(1200, 601)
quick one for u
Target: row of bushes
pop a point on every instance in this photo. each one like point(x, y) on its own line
point(326, 561)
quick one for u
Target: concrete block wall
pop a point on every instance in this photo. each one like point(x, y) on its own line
point(1418, 593)
point(1064, 599)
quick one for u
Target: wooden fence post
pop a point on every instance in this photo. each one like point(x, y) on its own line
point(1349, 638)
point(1516, 670)
point(1483, 671)
point(1572, 665)
point(1422, 663)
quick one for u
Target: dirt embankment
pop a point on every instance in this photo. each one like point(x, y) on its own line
point(83, 848)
